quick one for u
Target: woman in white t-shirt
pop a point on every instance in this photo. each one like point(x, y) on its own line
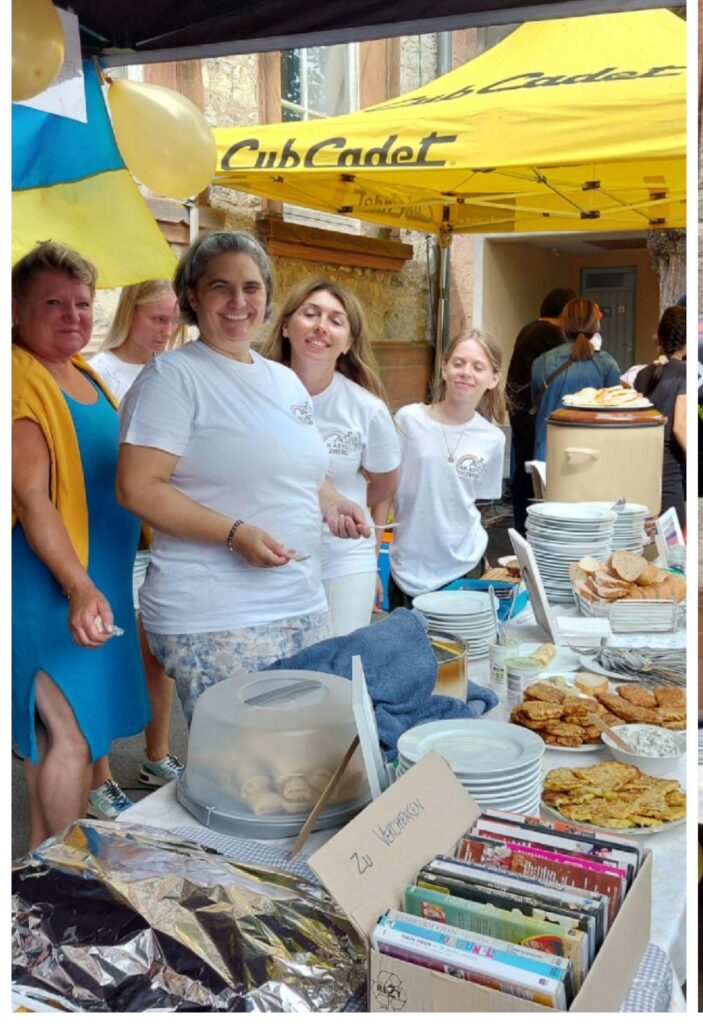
point(144, 325)
point(220, 454)
point(452, 454)
point(321, 333)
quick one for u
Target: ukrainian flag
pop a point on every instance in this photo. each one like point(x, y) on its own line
point(70, 184)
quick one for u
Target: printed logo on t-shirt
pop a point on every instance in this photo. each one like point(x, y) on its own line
point(346, 443)
point(303, 413)
point(470, 467)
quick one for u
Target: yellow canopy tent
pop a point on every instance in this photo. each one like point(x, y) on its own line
point(569, 125)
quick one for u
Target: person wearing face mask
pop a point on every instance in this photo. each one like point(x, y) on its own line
point(219, 453)
point(451, 454)
point(321, 334)
point(143, 326)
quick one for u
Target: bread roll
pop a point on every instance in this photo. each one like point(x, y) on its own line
point(628, 566)
point(648, 576)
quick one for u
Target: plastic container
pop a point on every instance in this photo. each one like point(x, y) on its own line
point(520, 672)
point(262, 747)
point(498, 676)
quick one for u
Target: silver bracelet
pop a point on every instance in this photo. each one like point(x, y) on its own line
point(230, 535)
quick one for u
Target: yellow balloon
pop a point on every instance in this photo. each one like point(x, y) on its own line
point(37, 47)
point(163, 137)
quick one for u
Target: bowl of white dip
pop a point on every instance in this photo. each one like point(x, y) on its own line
point(657, 751)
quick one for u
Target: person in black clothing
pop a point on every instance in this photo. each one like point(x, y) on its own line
point(535, 338)
point(664, 384)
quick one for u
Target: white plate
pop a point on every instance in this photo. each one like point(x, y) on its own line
point(473, 744)
point(502, 789)
point(523, 793)
point(630, 508)
point(638, 403)
point(636, 830)
point(571, 512)
point(496, 785)
point(453, 602)
point(487, 778)
point(465, 621)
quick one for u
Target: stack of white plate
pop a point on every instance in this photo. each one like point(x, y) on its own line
point(700, 745)
point(562, 532)
point(628, 532)
point(463, 613)
point(499, 764)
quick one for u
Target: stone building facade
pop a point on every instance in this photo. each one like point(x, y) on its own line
point(393, 272)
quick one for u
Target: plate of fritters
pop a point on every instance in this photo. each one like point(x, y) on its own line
point(559, 713)
point(662, 705)
point(561, 716)
point(614, 796)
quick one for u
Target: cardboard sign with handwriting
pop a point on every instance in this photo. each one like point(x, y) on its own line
point(367, 865)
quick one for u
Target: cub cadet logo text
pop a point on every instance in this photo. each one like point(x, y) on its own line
point(318, 155)
point(538, 80)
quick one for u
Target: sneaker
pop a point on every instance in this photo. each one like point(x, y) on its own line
point(157, 773)
point(107, 801)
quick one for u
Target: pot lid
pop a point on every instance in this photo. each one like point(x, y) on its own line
point(607, 417)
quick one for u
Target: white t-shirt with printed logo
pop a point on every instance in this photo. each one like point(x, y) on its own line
point(359, 434)
point(439, 536)
point(248, 447)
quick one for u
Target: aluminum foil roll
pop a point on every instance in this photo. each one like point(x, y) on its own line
point(110, 917)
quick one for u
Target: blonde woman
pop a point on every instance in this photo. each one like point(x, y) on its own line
point(143, 326)
point(452, 454)
point(321, 334)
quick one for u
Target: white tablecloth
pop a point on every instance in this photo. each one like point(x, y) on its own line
point(668, 928)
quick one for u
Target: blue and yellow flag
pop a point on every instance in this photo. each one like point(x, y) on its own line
point(70, 184)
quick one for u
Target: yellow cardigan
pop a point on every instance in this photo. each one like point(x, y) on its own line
point(36, 396)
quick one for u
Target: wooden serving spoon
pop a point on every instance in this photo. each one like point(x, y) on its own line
point(597, 721)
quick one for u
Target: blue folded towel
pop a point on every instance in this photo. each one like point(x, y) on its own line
point(400, 670)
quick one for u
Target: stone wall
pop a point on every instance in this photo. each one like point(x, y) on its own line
point(400, 305)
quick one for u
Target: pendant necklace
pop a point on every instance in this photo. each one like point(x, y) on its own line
point(451, 453)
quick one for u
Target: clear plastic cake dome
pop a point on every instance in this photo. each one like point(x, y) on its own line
point(263, 746)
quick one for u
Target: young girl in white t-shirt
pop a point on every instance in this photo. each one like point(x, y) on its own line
point(452, 454)
point(144, 325)
point(321, 334)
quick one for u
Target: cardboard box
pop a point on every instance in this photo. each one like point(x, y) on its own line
point(368, 864)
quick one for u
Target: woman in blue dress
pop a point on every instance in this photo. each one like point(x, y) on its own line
point(77, 682)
